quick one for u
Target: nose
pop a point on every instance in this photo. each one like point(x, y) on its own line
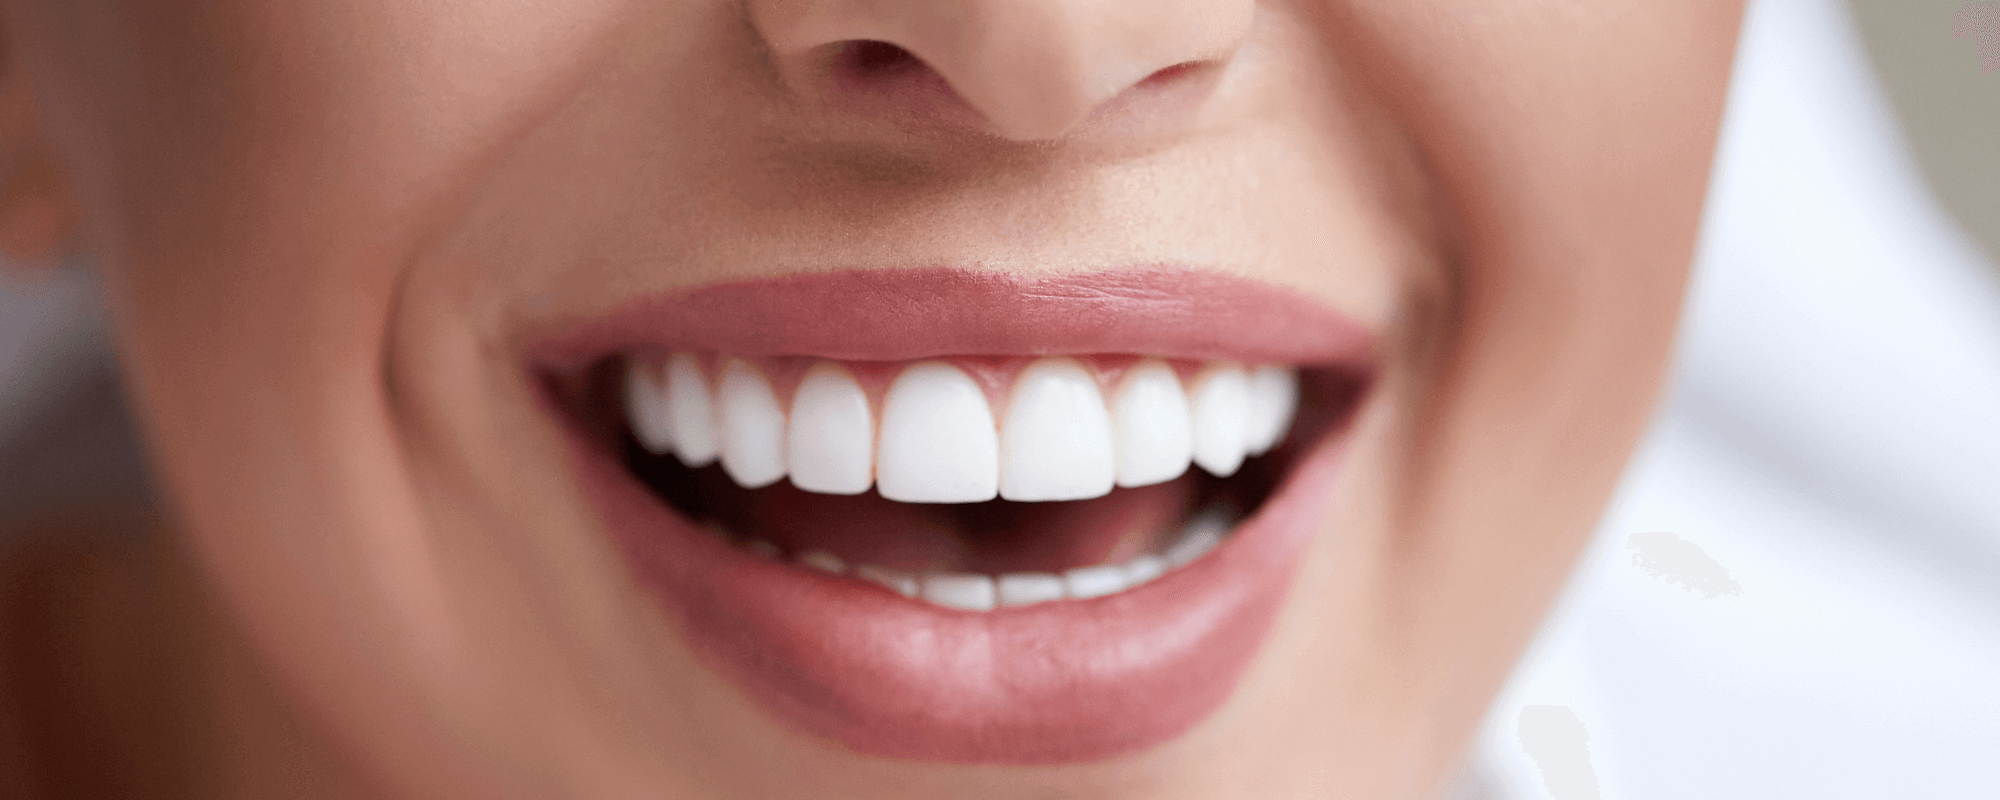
point(1032, 69)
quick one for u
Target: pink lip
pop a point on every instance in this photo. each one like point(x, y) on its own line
point(1062, 682)
point(894, 315)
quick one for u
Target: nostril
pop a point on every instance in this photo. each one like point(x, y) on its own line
point(874, 78)
point(867, 59)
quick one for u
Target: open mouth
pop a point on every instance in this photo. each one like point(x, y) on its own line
point(974, 518)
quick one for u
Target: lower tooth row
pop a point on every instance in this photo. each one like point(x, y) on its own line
point(976, 592)
point(938, 441)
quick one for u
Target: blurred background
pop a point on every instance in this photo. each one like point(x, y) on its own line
point(1947, 96)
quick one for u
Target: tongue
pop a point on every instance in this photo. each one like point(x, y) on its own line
point(991, 537)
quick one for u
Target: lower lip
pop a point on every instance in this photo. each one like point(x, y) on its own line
point(1063, 682)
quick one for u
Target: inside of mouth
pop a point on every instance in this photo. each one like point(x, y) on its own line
point(1174, 521)
point(994, 537)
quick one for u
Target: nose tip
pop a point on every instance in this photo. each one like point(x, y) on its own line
point(1032, 69)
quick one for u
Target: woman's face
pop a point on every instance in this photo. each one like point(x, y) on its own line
point(408, 292)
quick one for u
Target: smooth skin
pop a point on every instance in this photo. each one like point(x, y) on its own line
point(327, 229)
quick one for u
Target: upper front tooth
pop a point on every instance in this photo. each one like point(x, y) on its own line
point(690, 412)
point(938, 443)
point(1221, 410)
point(753, 428)
point(646, 406)
point(1056, 442)
point(1155, 432)
point(1274, 397)
point(831, 440)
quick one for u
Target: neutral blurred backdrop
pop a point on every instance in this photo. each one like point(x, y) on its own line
point(1949, 108)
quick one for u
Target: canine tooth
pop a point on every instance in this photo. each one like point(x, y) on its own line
point(1056, 441)
point(761, 548)
point(825, 561)
point(959, 590)
point(830, 444)
point(753, 427)
point(898, 581)
point(646, 407)
point(938, 443)
point(1221, 406)
point(1028, 588)
point(1155, 432)
point(1097, 581)
point(690, 412)
point(1274, 398)
point(1144, 568)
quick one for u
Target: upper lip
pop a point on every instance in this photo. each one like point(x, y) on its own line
point(1062, 682)
point(893, 315)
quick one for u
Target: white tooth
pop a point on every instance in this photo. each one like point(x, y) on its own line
point(1029, 588)
point(1201, 536)
point(690, 412)
point(823, 560)
point(831, 441)
point(646, 407)
point(1056, 442)
point(1144, 568)
point(959, 590)
point(1274, 398)
point(938, 444)
point(1155, 432)
point(1221, 407)
point(1096, 581)
point(898, 581)
point(761, 548)
point(753, 427)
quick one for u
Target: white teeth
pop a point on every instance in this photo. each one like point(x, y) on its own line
point(934, 439)
point(1155, 436)
point(824, 561)
point(753, 427)
point(1056, 443)
point(1201, 535)
point(690, 413)
point(938, 443)
point(973, 592)
point(646, 406)
point(1274, 398)
point(762, 549)
point(831, 439)
point(960, 590)
point(1221, 411)
point(1143, 569)
point(1087, 582)
point(1029, 588)
point(898, 581)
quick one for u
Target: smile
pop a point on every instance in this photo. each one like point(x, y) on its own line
point(963, 517)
